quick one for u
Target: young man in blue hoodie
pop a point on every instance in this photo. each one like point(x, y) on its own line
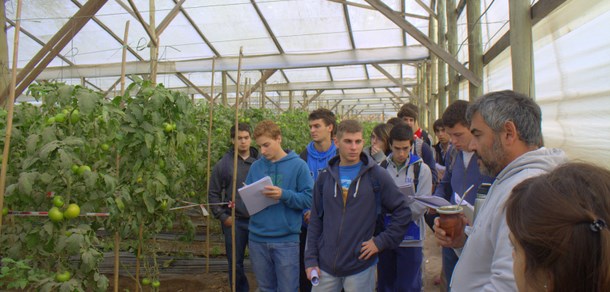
point(322, 127)
point(274, 231)
point(348, 197)
point(400, 269)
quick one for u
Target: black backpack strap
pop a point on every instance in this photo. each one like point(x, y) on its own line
point(384, 164)
point(304, 155)
point(416, 168)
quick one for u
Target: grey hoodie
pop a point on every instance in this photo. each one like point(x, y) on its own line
point(486, 262)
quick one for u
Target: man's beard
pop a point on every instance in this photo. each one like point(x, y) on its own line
point(494, 164)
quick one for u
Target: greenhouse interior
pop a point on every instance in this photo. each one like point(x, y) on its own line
point(122, 107)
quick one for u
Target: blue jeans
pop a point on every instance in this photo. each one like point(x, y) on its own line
point(275, 265)
point(400, 269)
point(241, 240)
point(450, 259)
point(363, 281)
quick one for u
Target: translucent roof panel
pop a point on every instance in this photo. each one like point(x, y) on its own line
point(307, 26)
point(494, 22)
point(179, 41)
point(393, 69)
point(307, 75)
point(348, 72)
point(230, 26)
point(371, 29)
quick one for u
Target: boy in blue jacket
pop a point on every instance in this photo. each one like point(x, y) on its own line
point(348, 197)
point(274, 231)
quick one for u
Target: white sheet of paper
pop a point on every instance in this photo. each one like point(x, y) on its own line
point(253, 197)
point(432, 201)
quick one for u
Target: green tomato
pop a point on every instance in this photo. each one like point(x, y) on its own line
point(74, 117)
point(105, 147)
point(145, 281)
point(62, 277)
point(247, 120)
point(58, 201)
point(4, 211)
point(55, 215)
point(83, 168)
point(51, 121)
point(60, 117)
point(72, 212)
point(74, 169)
point(161, 163)
point(156, 283)
point(65, 111)
point(168, 128)
point(119, 204)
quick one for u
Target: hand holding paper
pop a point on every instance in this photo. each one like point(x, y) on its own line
point(254, 197)
point(272, 192)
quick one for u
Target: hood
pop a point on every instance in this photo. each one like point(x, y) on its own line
point(315, 154)
point(253, 152)
point(412, 159)
point(367, 161)
point(290, 155)
point(543, 158)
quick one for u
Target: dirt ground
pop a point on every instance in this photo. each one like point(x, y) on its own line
point(217, 281)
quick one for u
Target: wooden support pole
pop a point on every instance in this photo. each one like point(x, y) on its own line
point(432, 73)
point(224, 100)
point(4, 62)
point(117, 237)
point(442, 71)
point(290, 100)
point(262, 100)
point(475, 46)
point(154, 47)
point(234, 189)
point(452, 46)
point(207, 200)
point(10, 106)
point(522, 51)
point(149, 28)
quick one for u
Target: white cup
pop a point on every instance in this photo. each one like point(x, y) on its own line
point(315, 280)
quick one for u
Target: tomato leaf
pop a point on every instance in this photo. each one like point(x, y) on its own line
point(32, 143)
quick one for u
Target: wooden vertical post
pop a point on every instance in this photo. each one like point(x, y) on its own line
point(452, 46)
point(225, 102)
point(234, 190)
point(433, 65)
point(262, 102)
point(290, 99)
point(4, 69)
point(211, 123)
point(154, 48)
point(10, 106)
point(442, 67)
point(522, 52)
point(117, 237)
point(475, 45)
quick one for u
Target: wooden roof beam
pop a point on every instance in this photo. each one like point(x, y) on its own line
point(168, 18)
point(424, 40)
point(355, 4)
point(144, 24)
point(285, 61)
point(53, 47)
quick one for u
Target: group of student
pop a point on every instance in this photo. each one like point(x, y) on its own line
point(343, 217)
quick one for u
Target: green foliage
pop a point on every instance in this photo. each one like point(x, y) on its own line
point(135, 156)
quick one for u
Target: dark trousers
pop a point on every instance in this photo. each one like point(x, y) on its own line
point(400, 269)
point(450, 259)
point(304, 284)
point(241, 241)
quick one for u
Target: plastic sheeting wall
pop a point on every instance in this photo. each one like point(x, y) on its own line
point(572, 75)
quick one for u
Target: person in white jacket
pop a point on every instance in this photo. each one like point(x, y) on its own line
point(508, 142)
point(400, 269)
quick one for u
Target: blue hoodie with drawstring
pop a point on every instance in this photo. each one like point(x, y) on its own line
point(281, 222)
